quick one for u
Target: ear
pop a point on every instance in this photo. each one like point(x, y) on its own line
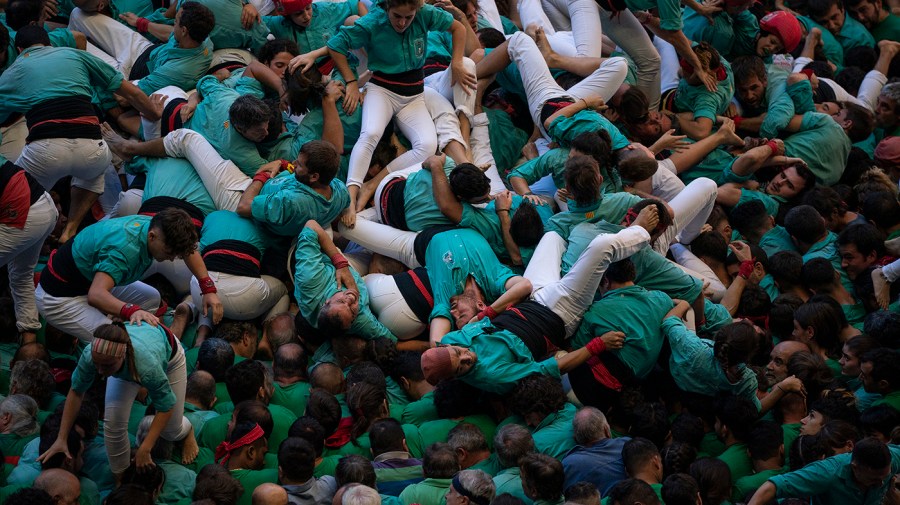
point(313, 177)
point(405, 446)
point(261, 392)
point(404, 383)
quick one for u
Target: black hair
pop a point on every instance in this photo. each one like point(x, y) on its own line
point(710, 244)
point(290, 360)
point(244, 379)
point(354, 469)
point(805, 224)
point(836, 434)
point(537, 393)
point(680, 489)
point(366, 404)
point(749, 219)
point(455, 398)
point(215, 483)
point(677, 457)
point(408, 364)
point(198, 19)
point(811, 370)
point(865, 237)
point(490, 37)
point(746, 67)
point(806, 449)
point(253, 412)
point(440, 462)
point(150, 479)
point(273, 48)
point(129, 494)
point(49, 434)
point(714, 479)
point(544, 475)
point(636, 453)
point(884, 366)
point(581, 492)
point(879, 419)
point(881, 208)
point(30, 35)
point(311, 430)
point(862, 119)
point(688, 428)
point(738, 413)
point(825, 322)
point(629, 491)
point(468, 182)
point(526, 226)
point(386, 435)
point(781, 314)
point(884, 326)
point(765, 440)
point(735, 344)
point(303, 88)
point(597, 145)
point(836, 404)
point(248, 111)
point(651, 422)
point(583, 179)
point(201, 386)
point(323, 158)
point(621, 271)
point(178, 231)
point(20, 13)
point(784, 267)
point(368, 372)
point(324, 408)
point(819, 8)
point(297, 459)
point(819, 275)
point(871, 453)
point(215, 356)
point(29, 496)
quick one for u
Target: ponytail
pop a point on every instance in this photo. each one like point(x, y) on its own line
point(117, 333)
point(366, 404)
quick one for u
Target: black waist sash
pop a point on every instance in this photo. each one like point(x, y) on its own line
point(541, 329)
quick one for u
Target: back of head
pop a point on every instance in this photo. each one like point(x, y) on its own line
point(621, 271)
point(884, 370)
point(637, 453)
point(882, 209)
point(244, 380)
point(178, 231)
point(710, 246)
point(367, 403)
point(215, 483)
point(368, 372)
point(22, 411)
point(651, 422)
point(129, 494)
point(714, 478)
point(735, 343)
point(636, 166)
point(805, 224)
point(290, 361)
point(216, 356)
point(361, 495)
point(582, 493)
point(543, 476)
point(407, 365)
point(467, 436)
point(812, 370)
point(253, 412)
point(440, 462)
point(311, 430)
point(837, 436)
point(327, 377)
point(58, 483)
point(198, 19)
point(745, 68)
point(248, 111)
point(297, 460)
point(539, 394)
point(322, 158)
point(862, 119)
point(583, 179)
point(819, 275)
point(597, 146)
point(526, 226)
point(677, 457)
point(269, 494)
point(150, 480)
point(765, 441)
point(750, 219)
point(201, 387)
point(20, 13)
point(884, 326)
point(477, 484)
point(871, 453)
point(589, 426)
point(324, 408)
point(49, 434)
point(29, 496)
point(354, 469)
point(33, 378)
point(468, 182)
point(386, 435)
point(512, 442)
point(631, 491)
point(825, 321)
point(31, 35)
point(680, 489)
point(836, 404)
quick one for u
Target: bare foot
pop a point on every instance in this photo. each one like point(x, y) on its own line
point(540, 39)
point(727, 134)
point(190, 449)
point(184, 314)
point(529, 151)
point(348, 217)
point(117, 144)
point(648, 218)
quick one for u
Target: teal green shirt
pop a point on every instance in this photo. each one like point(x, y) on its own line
point(634, 311)
point(284, 205)
point(171, 65)
point(509, 480)
point(750, 483)
point(669, 11)
point(696, 370)
point(830, 482)
point(151, 358)
point(827, 248)
point(179, 483)
point(313, 125)
point(227, 225)
point(198, 417)
point(211, 120)
point(552, 163)
point(292, 397)
point(554, 436)
point(75, 73)
point(738, 460)
point(702, 102)
point(565, 129)
point(251, 479)
point(314, 283)
point(420, 411)
point(889, 29)
point(831, 48)
point(453, 256)
point(776, 240)
point(854, 34)
point(327, 18)
point(116, 247)
point(228, 31)
point(507, 141)
point(438, 430)
point(502, 358)
point(173, 177)
point(822, 143)
point(732, 36)
point(611, 208)
point(427, 492)
point(391, 52)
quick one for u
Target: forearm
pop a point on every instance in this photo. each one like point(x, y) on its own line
point(751, 161)
point(325, 243)
point(138, 99)
point(697, 129)
point(439, 327)
point(266, 76)
point(342, 65)
point(332, 128)
point(514, 255)
point(519, 185)
point(732, 297)
point(449, 206)
point(567, 111)
point(682, 45)
point(196, 265)
point(517, 290)
point(160, 31)
point(160, 420)
point(103, 300)
point(752, 124)
point(571, 360)
point(765, 494)
point(695, 153)
point(245, 205)
point(458, 34)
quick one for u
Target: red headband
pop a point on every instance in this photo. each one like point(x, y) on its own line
point(224, 450)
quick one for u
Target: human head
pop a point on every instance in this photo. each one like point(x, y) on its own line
point(367, 403)
point(879, 421)
point(290, 362)
point(338, 312)
point(247, 381)
point(838, 436)
point(386, 435)
point(246, 448)
point(817, 325)
point(354, 469)
point(31, 35)
point(526, 226)
point(750, 79)
point(280, 330)
point(887, 110)
point(811, 370)
point(583, 179)
point(887, 156)
point(360, 495)
point(111, 349)
point(880, 373)
point(714, 478)
point(62, 486)
point(537, 396)
point(445, 362)
point(49, 434)
point(805, 226)
point(871, 463)
point(751, 220)
point(820, 276)
point(250, 116)
point(172, 235)
point(828, 13)
point(454, 399)
point(215, 483)
point(276, 54)
point(766, 442)
point(241, 335)
point(884, 326)
point(469, 184)
point(129, 494)
point(308, 428)
point(867, 12)
point(542, 477)
point(269, 493)
point(632, 491)
point(595, 144)
point(779, 31)
point(857, 121)
point(201, 389)
point(881, 209)
point(680, 489)
point(32, 378)
point(468, 443)
point(327, 377)
point(196, 19)
point(439, 462)
point(735, 344)
point(735, 416)
point(215, 356)
point(21, 13)
point(590, 426)
point(401, 13)
point(512, 442)
point(834, 404)
point(853, 350)
point(318, 163)
point(640, 455)
point(784, 267)
point(303, 88)
point(296, 461)
point(635, 165)
point(776, 370)
point(860, 246)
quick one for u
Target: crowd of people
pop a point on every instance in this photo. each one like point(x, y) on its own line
point(459, 252)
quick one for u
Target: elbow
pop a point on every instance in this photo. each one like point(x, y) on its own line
point(244, 209)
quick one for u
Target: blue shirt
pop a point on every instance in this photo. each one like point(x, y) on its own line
point(600, 464)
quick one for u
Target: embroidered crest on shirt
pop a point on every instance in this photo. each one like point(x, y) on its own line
point(448, 259)
point(419, 46)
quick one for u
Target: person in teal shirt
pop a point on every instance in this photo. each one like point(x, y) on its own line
point(92, 274)
point(883, 24)
point(311, 25)
point(542, 403)
point(694, 98)
point(731, 31)
point(862, 476)
point(166, 177)
point(132, 356)
point(849, 32)
point(238, 25)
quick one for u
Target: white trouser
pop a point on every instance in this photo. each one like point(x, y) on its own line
point(13, 141)
point(480, 142)
point(442, 82)
point(695, 267)
point(692, 208)
point(388, 304)
point(488, 10)
point(244, 298)
point(222, 178)
point(49, 160)
point(112, 186)
point(665, 181)
point(265, 7)
point(570, 296)
point(540, 85)
point(412, 118)
point(669, 66)
point(446, 122)
point(627, 32)
point(112, 37)
point(129, 203)
point(120, 396)
point(75, 316)
point(153, 129)
point(19, 251)
point(231, 54)
point(561, 40)
point(404, 173)
point(582, 18)
point(176, 272)
point(869, 89)
point(382, 239)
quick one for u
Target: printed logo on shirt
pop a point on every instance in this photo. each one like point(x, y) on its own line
point(448, 259)
point(419, 46)
point(226, 124)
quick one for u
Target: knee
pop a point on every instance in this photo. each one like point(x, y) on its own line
point(649, 59)
point(427, 144)
point(515, 41)
point(469, 64)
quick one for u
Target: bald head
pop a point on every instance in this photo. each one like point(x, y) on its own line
point(328, 377)
point(590, 426)
point(290, 363)
point(62, 486)
point(776, 370)
point(201, 389)
point(269, 494)
point(282, 330)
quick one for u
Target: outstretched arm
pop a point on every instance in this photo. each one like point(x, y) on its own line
point(447, 202)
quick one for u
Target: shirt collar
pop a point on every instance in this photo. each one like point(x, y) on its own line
point(391, 455)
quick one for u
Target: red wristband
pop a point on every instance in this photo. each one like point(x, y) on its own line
point(127, 310)
point(262, 177)
point(489, 312)
point(737, 121)
point(207, 286)
point(773, 146)
point(339, 261)
point(746, 268)
point(143, 24)
point(596, 346)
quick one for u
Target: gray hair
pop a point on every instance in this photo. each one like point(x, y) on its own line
point(478, 483)
point(467, 436)
point(284, 332)
point(162, 449)
point(360, 495)
point(589, 426)
point(892, 91)
point(33, 378)
point(23, 411)
point(512, 442)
